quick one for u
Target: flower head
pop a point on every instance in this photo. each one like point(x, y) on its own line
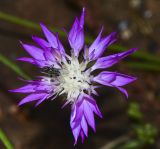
point(71, 76)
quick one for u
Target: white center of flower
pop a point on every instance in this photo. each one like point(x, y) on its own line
point(73, 78)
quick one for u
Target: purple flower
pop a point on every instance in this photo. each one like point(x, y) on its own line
point(70, 76)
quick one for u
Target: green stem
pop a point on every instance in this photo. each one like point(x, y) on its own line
point(13, 67)
point(139, 54)
point(5, 140)
point(144, 66)
point(26, 23)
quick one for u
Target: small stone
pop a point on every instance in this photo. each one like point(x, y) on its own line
point(135, 3)
point(125, 32)
point(13, 109)
point(147, 14)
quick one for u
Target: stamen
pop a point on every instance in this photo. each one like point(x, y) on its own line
point(73, 79)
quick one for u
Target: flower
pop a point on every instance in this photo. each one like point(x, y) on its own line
point(72, 76)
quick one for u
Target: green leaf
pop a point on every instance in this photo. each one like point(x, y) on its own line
point(13, 67)
point(5, 140)
point(144, 65)
point(146, 133)
point(134, 111)
point(132, 144)
point(26, 23)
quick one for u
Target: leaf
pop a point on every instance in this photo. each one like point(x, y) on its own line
point(144, 65)
point(5, 140)
point(132, 144)
point(13, 67)
point(134, 111)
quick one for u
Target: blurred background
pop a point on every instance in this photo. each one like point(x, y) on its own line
point(131, 124)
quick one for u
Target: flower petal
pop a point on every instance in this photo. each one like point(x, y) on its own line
point(76, 35)
point(108, 61)
point(89, 115)
point(82, 114)
point(41, 42)
point(113, 79)
point(34, 51)
point(26, 59)
point(82, 18)
point(122, 79)
point(75, 129)
point(49, 56)
point(92, 104)
point(25, 89)
point(95, 108)
point(82, 135)
point(53, 39)
point(100, 44)
point(41, 100)
point(76, 132)
point(60, 46)
point(41, 63)
point(32, 97)
point(49, 35)
point(117, 80)
point(123, 91)
point(84, 126)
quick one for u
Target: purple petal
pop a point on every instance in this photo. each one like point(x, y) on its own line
point(60, 46)
point(35, 52)
point(122, 79)
point(82, 18)
point(49, 56)
point(108, 61)
point(73, 113)
point(25, 89)
point(95, 45)
point(41, 63)
point(32, 97)
point(113, 78)
point(83, 108)
point(75, 130)
point(105, 77)
point(50, 36)
point(44, 87)
point(100, 44)
point(82, 135)
point(76, 34)
point(41, 42)
point(123, 91)
point(26, 59)
point(89, 115)
point(92, 104)
point(41, 100)
point(84, 126)
point(52, 39)
point(83, 114)
point(95, 109)
point(79, 112)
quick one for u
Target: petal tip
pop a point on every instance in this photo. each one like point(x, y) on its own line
point(41, 24)
point(12, 91)
point(20, 103)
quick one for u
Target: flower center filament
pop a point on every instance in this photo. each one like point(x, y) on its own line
point(73, 78)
